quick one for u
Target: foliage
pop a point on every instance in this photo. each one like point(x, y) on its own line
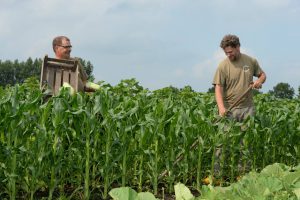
point(84, 145)
point(88, 67)
point(125, 193)
point(164, 92)
point(283, 90)
point(256, 92)
point(182, 192)
point(16, 72)
point(187, 89)
point(276, 181)
point(211, 89)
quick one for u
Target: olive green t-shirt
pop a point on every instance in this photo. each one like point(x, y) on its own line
point(235, 78)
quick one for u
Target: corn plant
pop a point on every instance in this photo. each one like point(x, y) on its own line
point(83, 145)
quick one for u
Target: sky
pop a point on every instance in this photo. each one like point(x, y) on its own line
point(160, 43)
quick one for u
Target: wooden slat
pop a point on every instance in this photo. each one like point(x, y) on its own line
point(58, 81)
point(82, 73)
point(43, 73)
point(66, 76)
point(80, 86)
point(57, 71)
point(62, 60)
point(50, 77)
point(74, 80)
point(61, 65)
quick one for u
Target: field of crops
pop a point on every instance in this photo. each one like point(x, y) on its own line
point(82, 146)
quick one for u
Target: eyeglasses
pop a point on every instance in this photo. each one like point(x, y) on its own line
point(66, 47)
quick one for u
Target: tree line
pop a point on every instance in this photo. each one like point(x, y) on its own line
point(13, 72)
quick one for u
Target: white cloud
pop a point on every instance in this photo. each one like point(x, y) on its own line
point(205, 70)
point(155, 34)
point(80, 7)
point(179, 73)
point(272, 4)
point(200, 69)
point(257, 4)
point(208, 66)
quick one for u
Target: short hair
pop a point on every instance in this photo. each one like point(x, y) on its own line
point(58, 40)
point(230, 41)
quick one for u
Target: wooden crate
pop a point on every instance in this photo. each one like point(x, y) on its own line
point(57, 71)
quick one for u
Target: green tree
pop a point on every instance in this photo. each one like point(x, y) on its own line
point(16, 72)
point(27, 69)
point(186, 88)
point(88, 67)
point(283, 90)
point(256, 92)
point(211, 89)
point(166, 91)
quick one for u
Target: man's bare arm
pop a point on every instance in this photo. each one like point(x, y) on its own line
point(261, 79)
point(219, 99)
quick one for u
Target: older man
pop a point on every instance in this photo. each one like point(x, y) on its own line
point(62, 48)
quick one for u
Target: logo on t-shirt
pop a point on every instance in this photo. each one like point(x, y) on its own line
point(246, 68)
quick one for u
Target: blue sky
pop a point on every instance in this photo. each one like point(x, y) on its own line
point(158, 42)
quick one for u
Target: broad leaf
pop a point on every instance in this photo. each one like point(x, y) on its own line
point(123, 193)
point(182, 192)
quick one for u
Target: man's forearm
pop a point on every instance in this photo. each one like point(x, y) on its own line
point(262, 78)
point(219, 99)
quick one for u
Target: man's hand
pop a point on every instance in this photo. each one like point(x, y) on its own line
point(257, 84)
point(261, 79)
point(222, 112)
point(219, 99)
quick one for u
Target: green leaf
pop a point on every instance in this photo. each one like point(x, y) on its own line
point(297, 184)
point(126, 193)
point(123, 193)
point(291, 178)
point(274, 170)
point(182, 192)
point(271, 183)
point(297, 192)
point(68, 87)
point(145, 196)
